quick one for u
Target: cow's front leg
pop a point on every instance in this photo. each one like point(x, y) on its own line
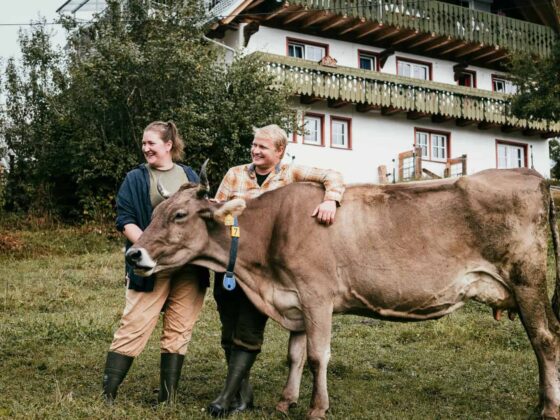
point(296, 361)
point(318, 323)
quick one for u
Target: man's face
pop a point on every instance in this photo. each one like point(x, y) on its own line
point(264, 154)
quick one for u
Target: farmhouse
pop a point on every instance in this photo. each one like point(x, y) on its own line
point(397, 89)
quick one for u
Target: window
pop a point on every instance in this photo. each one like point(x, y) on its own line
point(341, 131)
point(435, 145)
point(308, 51)
point(313, 129)
point(511, 155)
point(503, 85)
point(367, 61)
point(414, 69)
point(467, 78)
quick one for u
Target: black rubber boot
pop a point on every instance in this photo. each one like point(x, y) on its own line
point(239, 367)
point(243, 399)
point(116, 368)
point(170, 372)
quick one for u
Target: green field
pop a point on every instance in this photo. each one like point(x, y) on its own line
point(61, 296)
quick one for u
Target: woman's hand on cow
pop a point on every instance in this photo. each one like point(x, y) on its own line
point(325, 212)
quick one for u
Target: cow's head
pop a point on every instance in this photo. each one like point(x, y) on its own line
point(179, 230)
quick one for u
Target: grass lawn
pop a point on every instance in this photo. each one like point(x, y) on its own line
point(62, 294)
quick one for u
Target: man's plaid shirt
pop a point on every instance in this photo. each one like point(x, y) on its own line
point(241, 181)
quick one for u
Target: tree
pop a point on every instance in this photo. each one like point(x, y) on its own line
point(538, 92)
point(119, 73)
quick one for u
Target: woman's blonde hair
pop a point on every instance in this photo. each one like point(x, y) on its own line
point(168, 132)
point(275, 133)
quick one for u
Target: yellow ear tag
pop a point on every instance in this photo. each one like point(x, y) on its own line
point(228, 221)
point(235, 231)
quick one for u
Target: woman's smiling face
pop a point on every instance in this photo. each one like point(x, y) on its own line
point(156, 151)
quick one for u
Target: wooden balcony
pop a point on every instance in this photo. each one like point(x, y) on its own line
point(426, 27)
point(391, 94)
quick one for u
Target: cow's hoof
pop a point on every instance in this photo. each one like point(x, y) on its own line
point(216, 410)
point(284, 406)
point(316, 414)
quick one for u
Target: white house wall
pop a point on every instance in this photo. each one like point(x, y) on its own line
point(376, 139)
point(273, 41)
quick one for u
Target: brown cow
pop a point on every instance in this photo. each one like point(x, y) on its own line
point(408, 252)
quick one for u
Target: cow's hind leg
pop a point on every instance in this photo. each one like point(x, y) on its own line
point(318, 324)
point(296, 361)
point(542, 329)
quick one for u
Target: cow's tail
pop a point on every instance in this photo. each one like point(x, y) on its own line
point(556, 246)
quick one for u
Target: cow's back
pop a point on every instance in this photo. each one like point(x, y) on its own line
point(414, 242)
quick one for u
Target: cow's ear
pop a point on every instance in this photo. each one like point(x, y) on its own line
point(229, 208)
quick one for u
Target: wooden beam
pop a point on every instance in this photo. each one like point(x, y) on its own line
point(504, 56)
point(333, 23)
point(439, 44)
point(463, 122)
point(313, 19)
point(415, 115)
point(389, 34)
point(470, 50)
point(405, 37)
point(483, 54)
point(366, 107)
point(485, 125)
point(368, 30)
point(548, 135)
point(430, 174)
point(426, 38)
point(294, 16)
point(438, 118)
point(308, 99)
point(254, 4)
point(389, 110)
point(277, 12)
point(336, 103)
point(351, 28)
point(530, 132)
point(510, 128)
point(452, 48)
point(384, 55)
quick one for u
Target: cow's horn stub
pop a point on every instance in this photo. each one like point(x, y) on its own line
point(162, 191)
point(204, 186)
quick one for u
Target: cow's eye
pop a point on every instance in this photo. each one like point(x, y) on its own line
point(180, 215)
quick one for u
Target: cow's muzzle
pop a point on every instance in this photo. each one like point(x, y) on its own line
point(141, 261)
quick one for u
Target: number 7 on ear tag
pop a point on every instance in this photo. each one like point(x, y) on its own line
point(235, 231)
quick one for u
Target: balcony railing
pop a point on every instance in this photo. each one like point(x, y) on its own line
point(402, 93)
point(457, 22)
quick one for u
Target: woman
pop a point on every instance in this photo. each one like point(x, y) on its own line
point(180, 295)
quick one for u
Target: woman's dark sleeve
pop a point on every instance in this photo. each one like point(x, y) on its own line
point(126, 205)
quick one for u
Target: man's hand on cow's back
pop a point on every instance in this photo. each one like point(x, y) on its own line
point(325, 212)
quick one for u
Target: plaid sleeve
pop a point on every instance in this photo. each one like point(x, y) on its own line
point(331, 180)
point(225, 189)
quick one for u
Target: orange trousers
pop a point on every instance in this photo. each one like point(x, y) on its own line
point(180, 296)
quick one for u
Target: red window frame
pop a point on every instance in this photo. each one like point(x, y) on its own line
point(322, 118)
point(410, 60)
point(525, 147)
point(430, 132)
point(349, 122)
point(371, 54)
point(304, 41)
point(473, 73)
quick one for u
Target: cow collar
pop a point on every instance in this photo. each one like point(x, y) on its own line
point(229, 282)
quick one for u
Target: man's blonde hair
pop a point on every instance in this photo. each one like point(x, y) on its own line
point(275, 133)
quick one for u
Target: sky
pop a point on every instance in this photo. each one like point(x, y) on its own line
point(16, 12)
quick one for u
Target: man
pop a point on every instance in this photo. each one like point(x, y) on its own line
point(242, 323)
